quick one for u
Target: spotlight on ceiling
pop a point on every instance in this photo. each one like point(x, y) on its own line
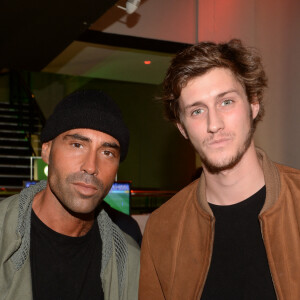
point(131, 6)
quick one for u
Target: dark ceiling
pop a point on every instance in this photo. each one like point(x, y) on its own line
point(32, 33)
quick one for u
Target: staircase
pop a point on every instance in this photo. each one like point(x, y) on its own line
point(18, 123)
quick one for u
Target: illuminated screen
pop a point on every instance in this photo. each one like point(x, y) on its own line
point(28, 183)
point(119, 197)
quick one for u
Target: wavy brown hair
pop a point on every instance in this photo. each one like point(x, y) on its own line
point(244, 62)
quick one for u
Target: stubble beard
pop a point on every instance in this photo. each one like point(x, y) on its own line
point(215, 167)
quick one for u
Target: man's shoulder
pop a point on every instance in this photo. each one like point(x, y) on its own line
point(9, 199)
point(9, 214)
point(8, 203)
point(175, 207)
point(288, 172)
point(289, 175)
point(180, 198)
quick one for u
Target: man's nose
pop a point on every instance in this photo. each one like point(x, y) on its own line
point(214, 121)
point(90, 163)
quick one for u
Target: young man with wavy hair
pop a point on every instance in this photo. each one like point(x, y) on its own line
point(234, 232)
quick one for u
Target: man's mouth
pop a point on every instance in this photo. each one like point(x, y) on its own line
point(219, 142)
point(86, 189)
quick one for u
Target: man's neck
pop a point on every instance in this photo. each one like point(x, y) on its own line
point(51, 212)
point(237, 184)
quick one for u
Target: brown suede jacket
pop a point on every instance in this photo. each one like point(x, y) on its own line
point(178, 239)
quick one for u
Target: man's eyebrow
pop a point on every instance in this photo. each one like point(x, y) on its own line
point(80, 137)
point(111, 145)
point(193, 104)
point(77, 136)
point(227, 92)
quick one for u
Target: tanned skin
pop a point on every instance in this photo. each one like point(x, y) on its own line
point(82, 167)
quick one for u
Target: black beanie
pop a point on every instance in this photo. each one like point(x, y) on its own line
point(90, 109)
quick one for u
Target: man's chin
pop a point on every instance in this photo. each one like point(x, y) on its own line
point(84, 213)
point(216, 166)
point(82, 206)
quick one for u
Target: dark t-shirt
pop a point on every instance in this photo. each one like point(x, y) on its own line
point(64, 267)
point(239, 268)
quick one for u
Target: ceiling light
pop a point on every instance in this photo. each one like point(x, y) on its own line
point(131, 6)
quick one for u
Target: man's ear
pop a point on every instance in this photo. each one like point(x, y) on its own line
point(46, 147)
point(255, 106)
point(182, 130)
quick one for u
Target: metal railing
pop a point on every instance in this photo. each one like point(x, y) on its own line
point(20, 93)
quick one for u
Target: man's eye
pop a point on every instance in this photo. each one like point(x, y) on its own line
point(77, 145)
point(227, 102)
point(197, 112)
point(108, 153)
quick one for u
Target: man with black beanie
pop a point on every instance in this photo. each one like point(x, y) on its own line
point(55, 241)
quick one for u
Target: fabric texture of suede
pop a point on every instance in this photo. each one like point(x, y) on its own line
point(178, 239)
